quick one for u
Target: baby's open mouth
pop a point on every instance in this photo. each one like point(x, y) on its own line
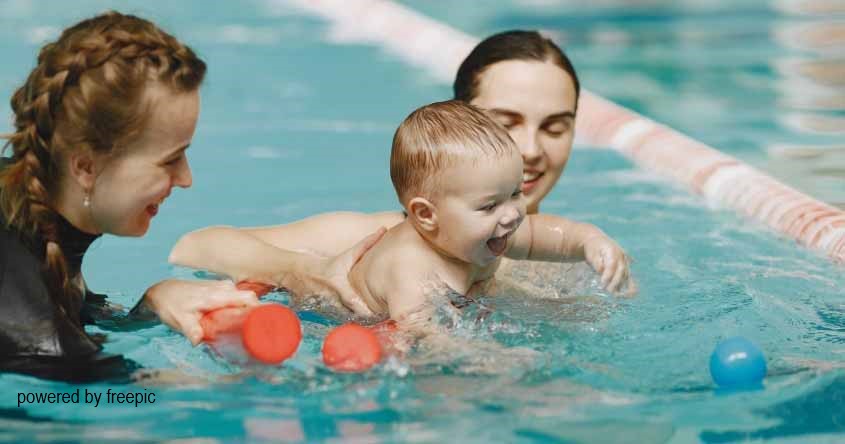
point(497, 245)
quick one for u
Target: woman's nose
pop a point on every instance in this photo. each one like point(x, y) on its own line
point(529, 146)
point(183, 177)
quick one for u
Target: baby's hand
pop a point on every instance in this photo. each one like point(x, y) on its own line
point(610, 261)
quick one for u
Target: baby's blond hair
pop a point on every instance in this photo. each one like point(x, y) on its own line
point(438, 136)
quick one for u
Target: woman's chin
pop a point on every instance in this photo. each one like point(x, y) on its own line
point(136, 230)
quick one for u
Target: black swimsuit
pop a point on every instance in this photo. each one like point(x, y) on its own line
point(36, 336)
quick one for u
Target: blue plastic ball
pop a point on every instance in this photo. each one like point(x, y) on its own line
point(737, 363)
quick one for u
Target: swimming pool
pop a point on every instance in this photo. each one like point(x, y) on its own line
point(293, 124)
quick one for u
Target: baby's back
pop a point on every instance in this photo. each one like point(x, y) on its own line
point(393, 273)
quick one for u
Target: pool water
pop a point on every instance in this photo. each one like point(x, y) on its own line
point(293, 124)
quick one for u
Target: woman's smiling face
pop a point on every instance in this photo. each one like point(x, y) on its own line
point(136, 180)
point(535, 101)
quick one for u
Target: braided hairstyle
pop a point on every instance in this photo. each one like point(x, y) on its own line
point(86, 93)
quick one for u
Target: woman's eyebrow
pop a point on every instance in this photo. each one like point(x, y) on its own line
point(181, 148)
point(560, 116)
point(505, 112)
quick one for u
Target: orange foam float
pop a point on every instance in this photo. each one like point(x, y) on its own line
point(269, 333)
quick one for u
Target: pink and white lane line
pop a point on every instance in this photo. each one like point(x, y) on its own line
point(723, 180)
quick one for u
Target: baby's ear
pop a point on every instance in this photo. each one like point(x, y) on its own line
point(423, 212)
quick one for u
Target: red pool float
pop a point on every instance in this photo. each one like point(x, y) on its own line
point(351, 348)
point(269, 333)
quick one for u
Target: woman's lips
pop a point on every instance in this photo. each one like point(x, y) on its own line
point(152, 209)
point(530, 181)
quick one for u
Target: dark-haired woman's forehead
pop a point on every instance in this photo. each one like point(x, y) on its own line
point(530, 89)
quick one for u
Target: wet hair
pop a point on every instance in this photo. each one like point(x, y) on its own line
point(86, 93)
point(437, 136)
point(508, 45)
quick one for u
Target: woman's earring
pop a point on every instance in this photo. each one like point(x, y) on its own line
point(86, 202)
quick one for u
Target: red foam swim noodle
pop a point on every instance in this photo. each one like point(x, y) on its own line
point(230, 319)
point(351, 348)
point(222, 321)
point(257, 287)
point(271, 333)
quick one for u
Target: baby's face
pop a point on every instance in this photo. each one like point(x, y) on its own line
point(480, 209)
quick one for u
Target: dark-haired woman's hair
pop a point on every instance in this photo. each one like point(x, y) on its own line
point(85, 93)
point(508, 45)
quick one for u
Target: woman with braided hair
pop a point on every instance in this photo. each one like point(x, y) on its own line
point(101, 129)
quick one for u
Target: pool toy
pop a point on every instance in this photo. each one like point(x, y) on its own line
point(257, 287)
point(268, 333)
point(737, 363)
point(352, 348)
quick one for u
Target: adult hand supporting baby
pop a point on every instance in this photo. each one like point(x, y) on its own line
point(610, 262)
point(336, 270)
point(251, 259)
point(181, 304)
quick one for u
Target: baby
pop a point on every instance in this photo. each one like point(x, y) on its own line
point(458, 175)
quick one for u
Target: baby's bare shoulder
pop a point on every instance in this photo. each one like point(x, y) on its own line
point(407, 260)
point(392, 265)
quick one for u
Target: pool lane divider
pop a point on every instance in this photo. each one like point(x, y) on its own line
point(723, 180)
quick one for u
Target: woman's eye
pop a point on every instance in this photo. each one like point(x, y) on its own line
point(516, 194)
point(173, 161)
point(489, 207)
point(556, 130)
point(508, 124)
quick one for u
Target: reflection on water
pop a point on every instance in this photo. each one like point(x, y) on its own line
point(817, 36)
point(819, 71)
point(817, 123)
point(810, 7)
point(811, 91)
point(810, 413)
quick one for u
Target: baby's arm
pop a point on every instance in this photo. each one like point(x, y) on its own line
point(406, 286)
point(408, 303)
point(544, 237)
